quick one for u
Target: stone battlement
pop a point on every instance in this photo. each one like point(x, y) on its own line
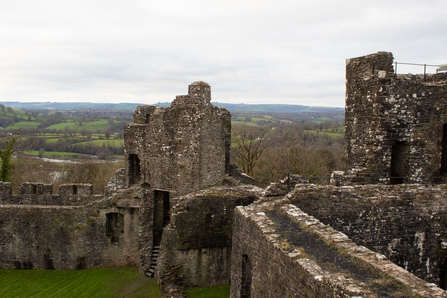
point(31, 193)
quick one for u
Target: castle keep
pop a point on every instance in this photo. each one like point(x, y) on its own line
point(179, 212)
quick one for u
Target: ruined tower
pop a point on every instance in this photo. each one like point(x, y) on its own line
point(396, 125)
point(181, 148)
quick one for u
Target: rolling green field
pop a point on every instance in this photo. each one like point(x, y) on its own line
point(24, 124)
point(92, 126)
point(98, 283)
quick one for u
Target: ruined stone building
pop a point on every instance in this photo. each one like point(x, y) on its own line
point(182, 214)
point(396, 125)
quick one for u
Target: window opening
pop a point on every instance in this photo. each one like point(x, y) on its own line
point(134, 169)
point(75, 189)
point(114, 226)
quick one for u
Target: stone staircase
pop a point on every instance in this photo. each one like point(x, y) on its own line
point(154, 256)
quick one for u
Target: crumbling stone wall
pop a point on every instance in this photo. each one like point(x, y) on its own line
point(406, 223)
point(98, 234)
point(394, 123)
point(181, 148)
point(196, 245)
point(267, 263)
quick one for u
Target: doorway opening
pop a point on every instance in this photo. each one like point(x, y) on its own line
point(161, 214)
point(399, 162)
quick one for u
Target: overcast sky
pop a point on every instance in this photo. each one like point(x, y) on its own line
point(290, 52)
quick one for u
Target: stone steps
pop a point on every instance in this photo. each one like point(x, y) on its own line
point(154, 256)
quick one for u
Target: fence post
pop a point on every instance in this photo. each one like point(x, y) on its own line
point(425, 67)
point(395, 67)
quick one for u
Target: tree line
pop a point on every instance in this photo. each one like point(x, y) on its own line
point(269, 153)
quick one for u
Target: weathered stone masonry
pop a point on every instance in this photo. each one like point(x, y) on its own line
point(396, 125)
point(280, 251)
point(181, 148)
point(161, 214)
point(406, 223)
point(42, 231)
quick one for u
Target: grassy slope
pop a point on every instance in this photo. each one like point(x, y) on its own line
point(24, 124)
point(101, 282)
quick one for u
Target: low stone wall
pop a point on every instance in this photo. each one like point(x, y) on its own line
point(100, 234)
point(406, 223)
point(284, 186)
point(265, 262)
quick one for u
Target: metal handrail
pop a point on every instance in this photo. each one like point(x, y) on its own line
point(417, 64)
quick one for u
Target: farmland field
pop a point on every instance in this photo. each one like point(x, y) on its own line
point(24, 124)
point(92, 126)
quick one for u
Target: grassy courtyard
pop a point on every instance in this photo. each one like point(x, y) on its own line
point(98, 283)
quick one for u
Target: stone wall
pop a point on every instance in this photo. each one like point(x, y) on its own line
point(268, 261)
point(394, 123)
point(406, 223)
point(99, 234)
point(181, 148)
point(32, 193)
point(196, 245)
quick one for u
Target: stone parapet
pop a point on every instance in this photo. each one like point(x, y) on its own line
point(265, 237)
point(404, 222)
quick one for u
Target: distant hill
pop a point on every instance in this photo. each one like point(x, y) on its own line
point(249, 108)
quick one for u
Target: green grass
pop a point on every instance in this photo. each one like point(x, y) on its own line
point(214, 292)
point(24, 124)
point(101, 282)
point(48, 153)
point(92, 126)
point(114, 143)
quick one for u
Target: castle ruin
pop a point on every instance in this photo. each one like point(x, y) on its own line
point(179, 212)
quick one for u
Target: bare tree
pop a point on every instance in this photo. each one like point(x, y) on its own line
point(306, 161)
point(247, 145)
